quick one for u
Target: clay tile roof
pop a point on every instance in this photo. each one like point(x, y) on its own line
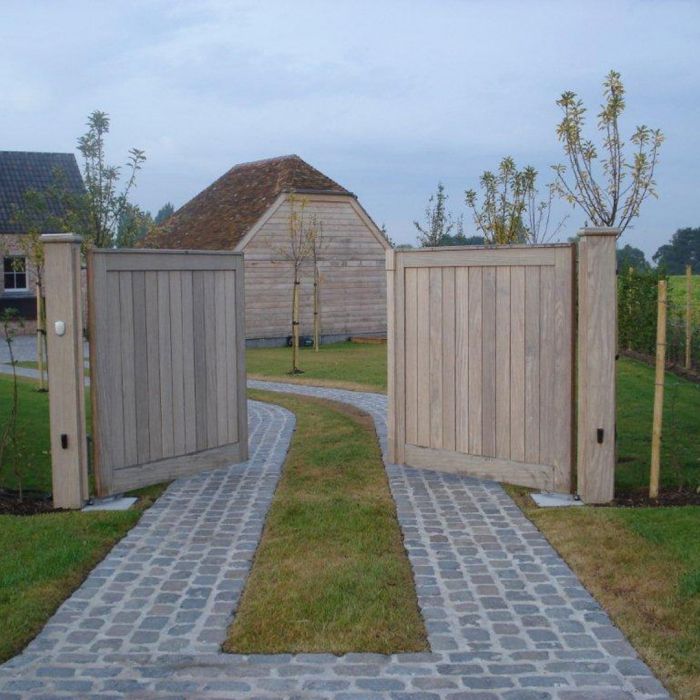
point(219, 216)
point(23, 171)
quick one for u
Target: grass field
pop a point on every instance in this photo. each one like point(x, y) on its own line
point(331, 573)
point(346, 365)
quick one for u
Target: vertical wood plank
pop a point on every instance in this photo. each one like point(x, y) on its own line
point(434, 348)
point(547, 366)
point(448, 358)
point(517, 363)
point(178, 367)
point(423, 356)
point(488, 411)
point(411, 374)
point(532, 364)
point(564, 354)
point(503, 374)
point(209, 313)
point(165, 365)
point(230, 307)
point(142, 335)
point(221, 352)
point(152, 310)
point(475, 360)
point(188, 361)
point(462, 359)
point(126, 309)
point(200, 360)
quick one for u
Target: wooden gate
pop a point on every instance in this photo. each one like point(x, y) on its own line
point(481, 347)
point(167, 364)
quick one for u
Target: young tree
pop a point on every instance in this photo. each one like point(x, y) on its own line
point(104, 202)
point(609, 189)
point(317, 242)
point(438, 221)
point(164, 213)
point(134, 223)
point(386, 236)
point(302, 230)
point(630, 257)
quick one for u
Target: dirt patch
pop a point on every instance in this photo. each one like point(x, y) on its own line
point(32, 503)
point(667, 497)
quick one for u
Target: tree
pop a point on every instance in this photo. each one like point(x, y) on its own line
point(609, 189)
point(302, 230)
point(104, 203)
point(133, 225)
point(631, 257)
point(386, 236)
point(438, 221)
point(683, 249)
point(164, 213)
point(461, 239)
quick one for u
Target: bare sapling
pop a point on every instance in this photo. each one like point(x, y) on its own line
point(301, 232)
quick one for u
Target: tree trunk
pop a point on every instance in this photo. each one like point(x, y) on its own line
point(295, 324)
point(317, 308)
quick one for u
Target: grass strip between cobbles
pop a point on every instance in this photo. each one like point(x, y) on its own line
point(331, 573)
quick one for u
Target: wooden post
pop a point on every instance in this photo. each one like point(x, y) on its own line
point(64, 328)
point(317, 318)
point(295, 324)
point(658, 392)
point(688, 314)
point(597, 339)
point(40, 335)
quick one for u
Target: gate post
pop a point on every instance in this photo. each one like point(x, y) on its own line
point(597, 348)
point(64, 329)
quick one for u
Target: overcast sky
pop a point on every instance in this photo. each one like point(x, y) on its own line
point(385, 97)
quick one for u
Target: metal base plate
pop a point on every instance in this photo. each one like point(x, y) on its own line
point(545, 499)
point(113, 503)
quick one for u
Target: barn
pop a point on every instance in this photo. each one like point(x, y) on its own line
point(248, 210)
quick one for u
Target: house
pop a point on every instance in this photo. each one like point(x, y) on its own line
point(248, 210)
point(22, 172)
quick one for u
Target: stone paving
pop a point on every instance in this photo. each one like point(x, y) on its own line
point(506, 617)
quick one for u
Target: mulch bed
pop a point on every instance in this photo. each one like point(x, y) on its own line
point(32, 503)
point(667, 497)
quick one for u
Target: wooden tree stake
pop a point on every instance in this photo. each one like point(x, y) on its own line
point(658, 392)
point(688, 314)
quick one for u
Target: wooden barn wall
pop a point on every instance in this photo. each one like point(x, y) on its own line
point(353, 279)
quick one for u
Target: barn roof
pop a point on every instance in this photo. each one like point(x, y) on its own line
point(219, 216)
point(22, 171)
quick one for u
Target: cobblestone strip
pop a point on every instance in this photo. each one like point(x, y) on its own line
point(506, 617)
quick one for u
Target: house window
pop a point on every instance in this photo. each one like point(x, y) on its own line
point(15, 274)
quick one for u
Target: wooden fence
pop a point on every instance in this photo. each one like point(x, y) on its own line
point(167, 364)
point(481, 371)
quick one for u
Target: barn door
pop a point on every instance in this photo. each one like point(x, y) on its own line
point(167, 364)
point(482, 346)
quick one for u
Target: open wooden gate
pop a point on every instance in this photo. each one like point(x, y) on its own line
point(481, 347)
point(167, 364)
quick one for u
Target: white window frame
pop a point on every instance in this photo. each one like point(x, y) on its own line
point(15, 290)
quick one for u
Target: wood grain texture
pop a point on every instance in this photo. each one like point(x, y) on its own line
point(168, 364)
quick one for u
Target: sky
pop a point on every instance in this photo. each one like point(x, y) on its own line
point(386, 97)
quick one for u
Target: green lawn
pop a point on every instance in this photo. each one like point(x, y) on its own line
point(331, 573)
point(347, 365)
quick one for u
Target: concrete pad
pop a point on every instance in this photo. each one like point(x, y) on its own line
point(545, 499)
point(114, 503)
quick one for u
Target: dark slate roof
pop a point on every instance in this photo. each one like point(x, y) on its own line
point(21, 171)
point(219, 216)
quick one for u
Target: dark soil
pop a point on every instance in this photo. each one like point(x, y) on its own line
point(32, 503)
point(690, 374)
point(667, 497)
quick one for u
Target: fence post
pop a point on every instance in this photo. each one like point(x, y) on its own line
point(64, 329)
point(391, 349)
point(688, 314)
point(597, 340)
point(659, 377)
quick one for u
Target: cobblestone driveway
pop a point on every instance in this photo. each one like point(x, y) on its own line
point(506, 617)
